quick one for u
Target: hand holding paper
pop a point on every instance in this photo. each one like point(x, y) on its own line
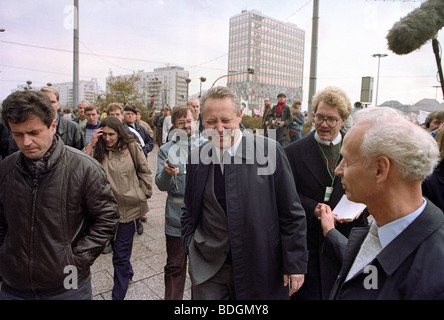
point(348, 210)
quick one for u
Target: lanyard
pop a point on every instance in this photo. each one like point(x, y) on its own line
point(329, 190)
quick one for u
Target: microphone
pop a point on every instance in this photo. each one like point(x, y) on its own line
point(418, 27)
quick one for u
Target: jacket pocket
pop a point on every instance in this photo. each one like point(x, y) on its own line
point(69, 256)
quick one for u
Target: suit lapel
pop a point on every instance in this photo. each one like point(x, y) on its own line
point(315, 163)
point(202, 171)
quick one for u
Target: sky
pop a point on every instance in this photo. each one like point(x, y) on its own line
point(123, 36)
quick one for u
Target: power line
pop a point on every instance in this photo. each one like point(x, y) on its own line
point(45, 71)
point(99, 55)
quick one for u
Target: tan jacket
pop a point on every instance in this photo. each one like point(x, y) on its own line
point(130, 179)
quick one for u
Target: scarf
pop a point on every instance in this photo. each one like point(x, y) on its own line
point(279, 107)
point(36, 167)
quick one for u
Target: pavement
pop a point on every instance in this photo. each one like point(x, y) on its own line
point(148, 257)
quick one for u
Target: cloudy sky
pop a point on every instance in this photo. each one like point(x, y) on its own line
point(125, 36)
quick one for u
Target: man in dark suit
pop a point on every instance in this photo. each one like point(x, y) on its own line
point(313, 160)
point(401, 255)
point(242, 224)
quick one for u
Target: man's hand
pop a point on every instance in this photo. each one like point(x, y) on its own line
point(296, 281)
point(327, 218)
point(169, 170)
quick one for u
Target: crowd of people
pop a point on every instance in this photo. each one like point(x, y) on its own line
point(251, 216)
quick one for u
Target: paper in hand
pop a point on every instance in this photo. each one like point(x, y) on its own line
point(349, 210)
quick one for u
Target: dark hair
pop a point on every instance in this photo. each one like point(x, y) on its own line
point(181, 111)
point(21, 105)
point(123, 141)
point(437, 114)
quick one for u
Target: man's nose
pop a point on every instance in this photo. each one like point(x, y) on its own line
point(338, 170)
point(27, 140)
point(220, 127)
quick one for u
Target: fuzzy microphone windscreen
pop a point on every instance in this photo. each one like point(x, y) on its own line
point(418, 27)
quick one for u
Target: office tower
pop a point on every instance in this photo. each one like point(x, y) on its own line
point(273, 49)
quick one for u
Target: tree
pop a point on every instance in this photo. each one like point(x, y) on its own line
point(122, 89)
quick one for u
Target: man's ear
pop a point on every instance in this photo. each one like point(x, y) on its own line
point(382, 166)
point(53, 126)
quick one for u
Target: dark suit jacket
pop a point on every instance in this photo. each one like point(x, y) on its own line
point(266, 221)
point(408, 268)
point(311, 178)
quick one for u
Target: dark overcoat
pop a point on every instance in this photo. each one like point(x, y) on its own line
point(410, 267)
point(266, 222)
point(311, 178)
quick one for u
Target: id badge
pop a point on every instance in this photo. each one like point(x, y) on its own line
point(328, 192)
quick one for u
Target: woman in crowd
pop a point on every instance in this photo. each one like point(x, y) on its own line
point(298, 121)
point(130, 177)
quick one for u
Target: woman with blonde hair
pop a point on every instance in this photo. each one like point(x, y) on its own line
point(130, 177)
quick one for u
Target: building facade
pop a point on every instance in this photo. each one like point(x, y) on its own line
point(166, 85)
point(273, 49)
point(88, 90)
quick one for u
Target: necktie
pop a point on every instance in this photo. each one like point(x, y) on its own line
point(368, 251)
point(225, 158)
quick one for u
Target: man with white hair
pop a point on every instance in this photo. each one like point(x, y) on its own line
point(401, 254)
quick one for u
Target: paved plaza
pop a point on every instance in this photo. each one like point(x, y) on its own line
point(148, 257)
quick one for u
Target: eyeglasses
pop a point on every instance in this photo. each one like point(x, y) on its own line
point(182, 122)
point(319, 119)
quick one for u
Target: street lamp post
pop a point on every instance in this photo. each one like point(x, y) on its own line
point(202, 79)
point(249, 71)
point(187, 80)
point(379, 56)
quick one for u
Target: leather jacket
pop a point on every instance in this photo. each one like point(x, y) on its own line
point(71, 133)
point(63, 219)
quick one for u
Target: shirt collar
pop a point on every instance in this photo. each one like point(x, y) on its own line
point(233, 149)
point(391, 230)
point(327, 143)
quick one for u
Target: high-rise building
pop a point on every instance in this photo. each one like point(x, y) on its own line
point(166, 85)
point(88, 90)
point(273, 49)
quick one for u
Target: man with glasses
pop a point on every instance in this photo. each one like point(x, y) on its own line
point(313, 160)
point(172, 158)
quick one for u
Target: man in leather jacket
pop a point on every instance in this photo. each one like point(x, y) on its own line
point(57, 209)
point(69, 131)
